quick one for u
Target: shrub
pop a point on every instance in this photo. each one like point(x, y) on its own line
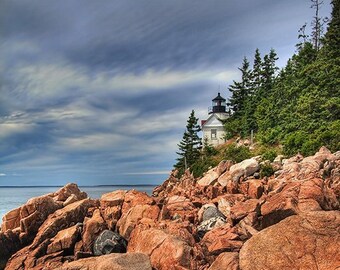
point(293, 142)
point(202, 165)
point(269, 154)
point(270, 136)
point(266, 170)
point(237, 153)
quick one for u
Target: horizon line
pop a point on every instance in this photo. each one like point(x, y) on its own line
point(111, 185)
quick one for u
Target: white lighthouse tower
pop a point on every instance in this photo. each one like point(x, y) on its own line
point(213, 129)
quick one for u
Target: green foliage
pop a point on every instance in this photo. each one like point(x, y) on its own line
point(269, 154)
point(208, 149)
point(189, 146)
point(332, 37)
point(266, 170)
point(202, 165)
point(207, 159)
point(236, 153)
point(298, 107)
point(240, 90)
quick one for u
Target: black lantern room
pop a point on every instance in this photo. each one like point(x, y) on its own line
point(218, 105)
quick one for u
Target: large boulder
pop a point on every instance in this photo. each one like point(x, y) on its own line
point(31, 215)
point(92, 228)
point(109, 242)
point(9, 244)
point(245, 168)
point(226, 260)
point(209, 211)
point(212, 175)
point(179, 207)
point(209, 225)
point(133, 198)
point(281, 204)
point(64, 240)
point(242, 209)
point(111, 207)
point(130, 219)
point(130, 261)
point(308, 241)
point(221, 239)
point(68, 190)
point(209, 178)
point(252, 188)
point(165, 251)
point(63, 218)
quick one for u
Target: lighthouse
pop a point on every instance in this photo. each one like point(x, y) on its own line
point(213, 129)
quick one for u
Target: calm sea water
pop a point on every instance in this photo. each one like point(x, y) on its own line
point(13, 197)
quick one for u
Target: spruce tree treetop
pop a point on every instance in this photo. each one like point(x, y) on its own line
point(240, 90)
point(332, 37)
point(189, 146)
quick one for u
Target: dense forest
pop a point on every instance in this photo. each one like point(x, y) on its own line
point(298, 106)
point(295, 109)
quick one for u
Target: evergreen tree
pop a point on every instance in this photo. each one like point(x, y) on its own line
point(240, 90)
point(299, 107)
point(189, 146)
point(256, 76)
point(317, 24)
point(268, 73)
point(303, 35)
point(332, 37)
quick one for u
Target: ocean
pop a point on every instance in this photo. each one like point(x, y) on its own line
point(13, 197)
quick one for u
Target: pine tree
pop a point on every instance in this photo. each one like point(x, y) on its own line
point(240, 90)
point(317, 24)
point(332, 37)
point(256, 76)
point(189, 146)
point(268, 72)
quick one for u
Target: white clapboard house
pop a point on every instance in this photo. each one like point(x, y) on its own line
point(212, 128)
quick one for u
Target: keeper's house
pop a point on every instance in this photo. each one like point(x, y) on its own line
point(212, 128)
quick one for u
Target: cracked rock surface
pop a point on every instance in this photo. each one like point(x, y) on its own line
point(308, 241)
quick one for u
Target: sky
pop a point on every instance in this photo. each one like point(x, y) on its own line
point(99, 92)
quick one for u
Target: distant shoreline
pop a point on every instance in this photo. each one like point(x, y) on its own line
point(141, 185)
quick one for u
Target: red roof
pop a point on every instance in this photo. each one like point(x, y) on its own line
point(203, 122)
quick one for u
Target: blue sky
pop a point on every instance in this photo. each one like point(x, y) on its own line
point(98, 92)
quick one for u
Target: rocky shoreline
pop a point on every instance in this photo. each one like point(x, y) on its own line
point(229, 219)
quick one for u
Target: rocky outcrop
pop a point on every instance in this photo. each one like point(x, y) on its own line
point(20, 226)
point(229, 219)
point(92, 228)
point(165, 250)
point(226, 260)
point(130, 261)
point(306, 241)
point(51, 234)
point(64, 240)
point(130, 219)
point(242, 169)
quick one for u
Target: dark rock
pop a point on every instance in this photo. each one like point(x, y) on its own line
point(212, 212)
point(109, 242)
point(210, 224)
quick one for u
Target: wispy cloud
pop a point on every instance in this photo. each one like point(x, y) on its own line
point(100, 91)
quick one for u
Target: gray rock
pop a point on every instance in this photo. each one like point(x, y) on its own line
point(212, 212)
point(109, 242)
point(210, 224)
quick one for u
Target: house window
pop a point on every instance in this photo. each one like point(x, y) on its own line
point(214, 134)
